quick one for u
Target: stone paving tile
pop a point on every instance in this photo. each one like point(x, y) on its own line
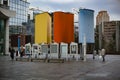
point(70, 70)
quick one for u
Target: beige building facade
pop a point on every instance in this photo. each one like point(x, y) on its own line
point(102, 17)
point(111, 35)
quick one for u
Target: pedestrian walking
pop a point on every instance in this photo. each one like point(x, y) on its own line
point(103, 54)
point(12, 51)
point(21, 51)
point(99, 53)
point(16, 53)
point(94, 54)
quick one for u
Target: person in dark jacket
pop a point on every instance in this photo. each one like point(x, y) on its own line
point(21, 51)
point(12, 51)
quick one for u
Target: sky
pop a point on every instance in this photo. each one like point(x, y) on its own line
point(112, 6)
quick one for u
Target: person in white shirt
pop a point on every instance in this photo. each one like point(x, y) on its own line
point(94, 54)
point(103, 54)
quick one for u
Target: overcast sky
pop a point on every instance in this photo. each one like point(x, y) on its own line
point(112, 6)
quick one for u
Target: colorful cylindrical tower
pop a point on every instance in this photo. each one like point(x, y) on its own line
point(63, 27)
point(43, 28)
point(86, 25)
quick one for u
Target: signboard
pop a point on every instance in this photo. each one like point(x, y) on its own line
point(54, 53)
point(35, 50)
point(44, 48)
point(64, 50)
point(27, 49)
point(74, 50)
point(53, 48)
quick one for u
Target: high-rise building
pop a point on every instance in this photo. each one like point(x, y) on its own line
point(5, 14)
point(102, 17)
point(112, 35)
point(21, 8)
point(16, 23)
point(30, 25)
point(33, 11)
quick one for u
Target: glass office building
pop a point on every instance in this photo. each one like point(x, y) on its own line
point(21, 8)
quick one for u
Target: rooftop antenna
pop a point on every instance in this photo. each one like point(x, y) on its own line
point(75, 11)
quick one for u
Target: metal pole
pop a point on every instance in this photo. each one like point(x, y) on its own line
point(117, 37)
point(18, 44)
point(99, 36)
point(84, 48)
point(102, 32)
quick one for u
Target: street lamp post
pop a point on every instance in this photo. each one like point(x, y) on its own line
point(19, 44)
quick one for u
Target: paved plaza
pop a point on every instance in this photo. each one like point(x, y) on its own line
point(69, 70)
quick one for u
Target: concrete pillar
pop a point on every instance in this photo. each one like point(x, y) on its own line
point(100, 35)
point(1, 1)
point(84, 48)
point(117, 37)
point(7, 37)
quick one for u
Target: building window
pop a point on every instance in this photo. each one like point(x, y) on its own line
point(21, 13)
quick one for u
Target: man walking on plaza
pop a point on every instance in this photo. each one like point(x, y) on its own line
point(103, 54)
point(94, 54)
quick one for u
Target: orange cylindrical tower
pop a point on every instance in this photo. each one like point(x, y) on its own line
point(63, 27)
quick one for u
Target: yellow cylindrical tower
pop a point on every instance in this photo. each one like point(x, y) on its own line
point(43, 28)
